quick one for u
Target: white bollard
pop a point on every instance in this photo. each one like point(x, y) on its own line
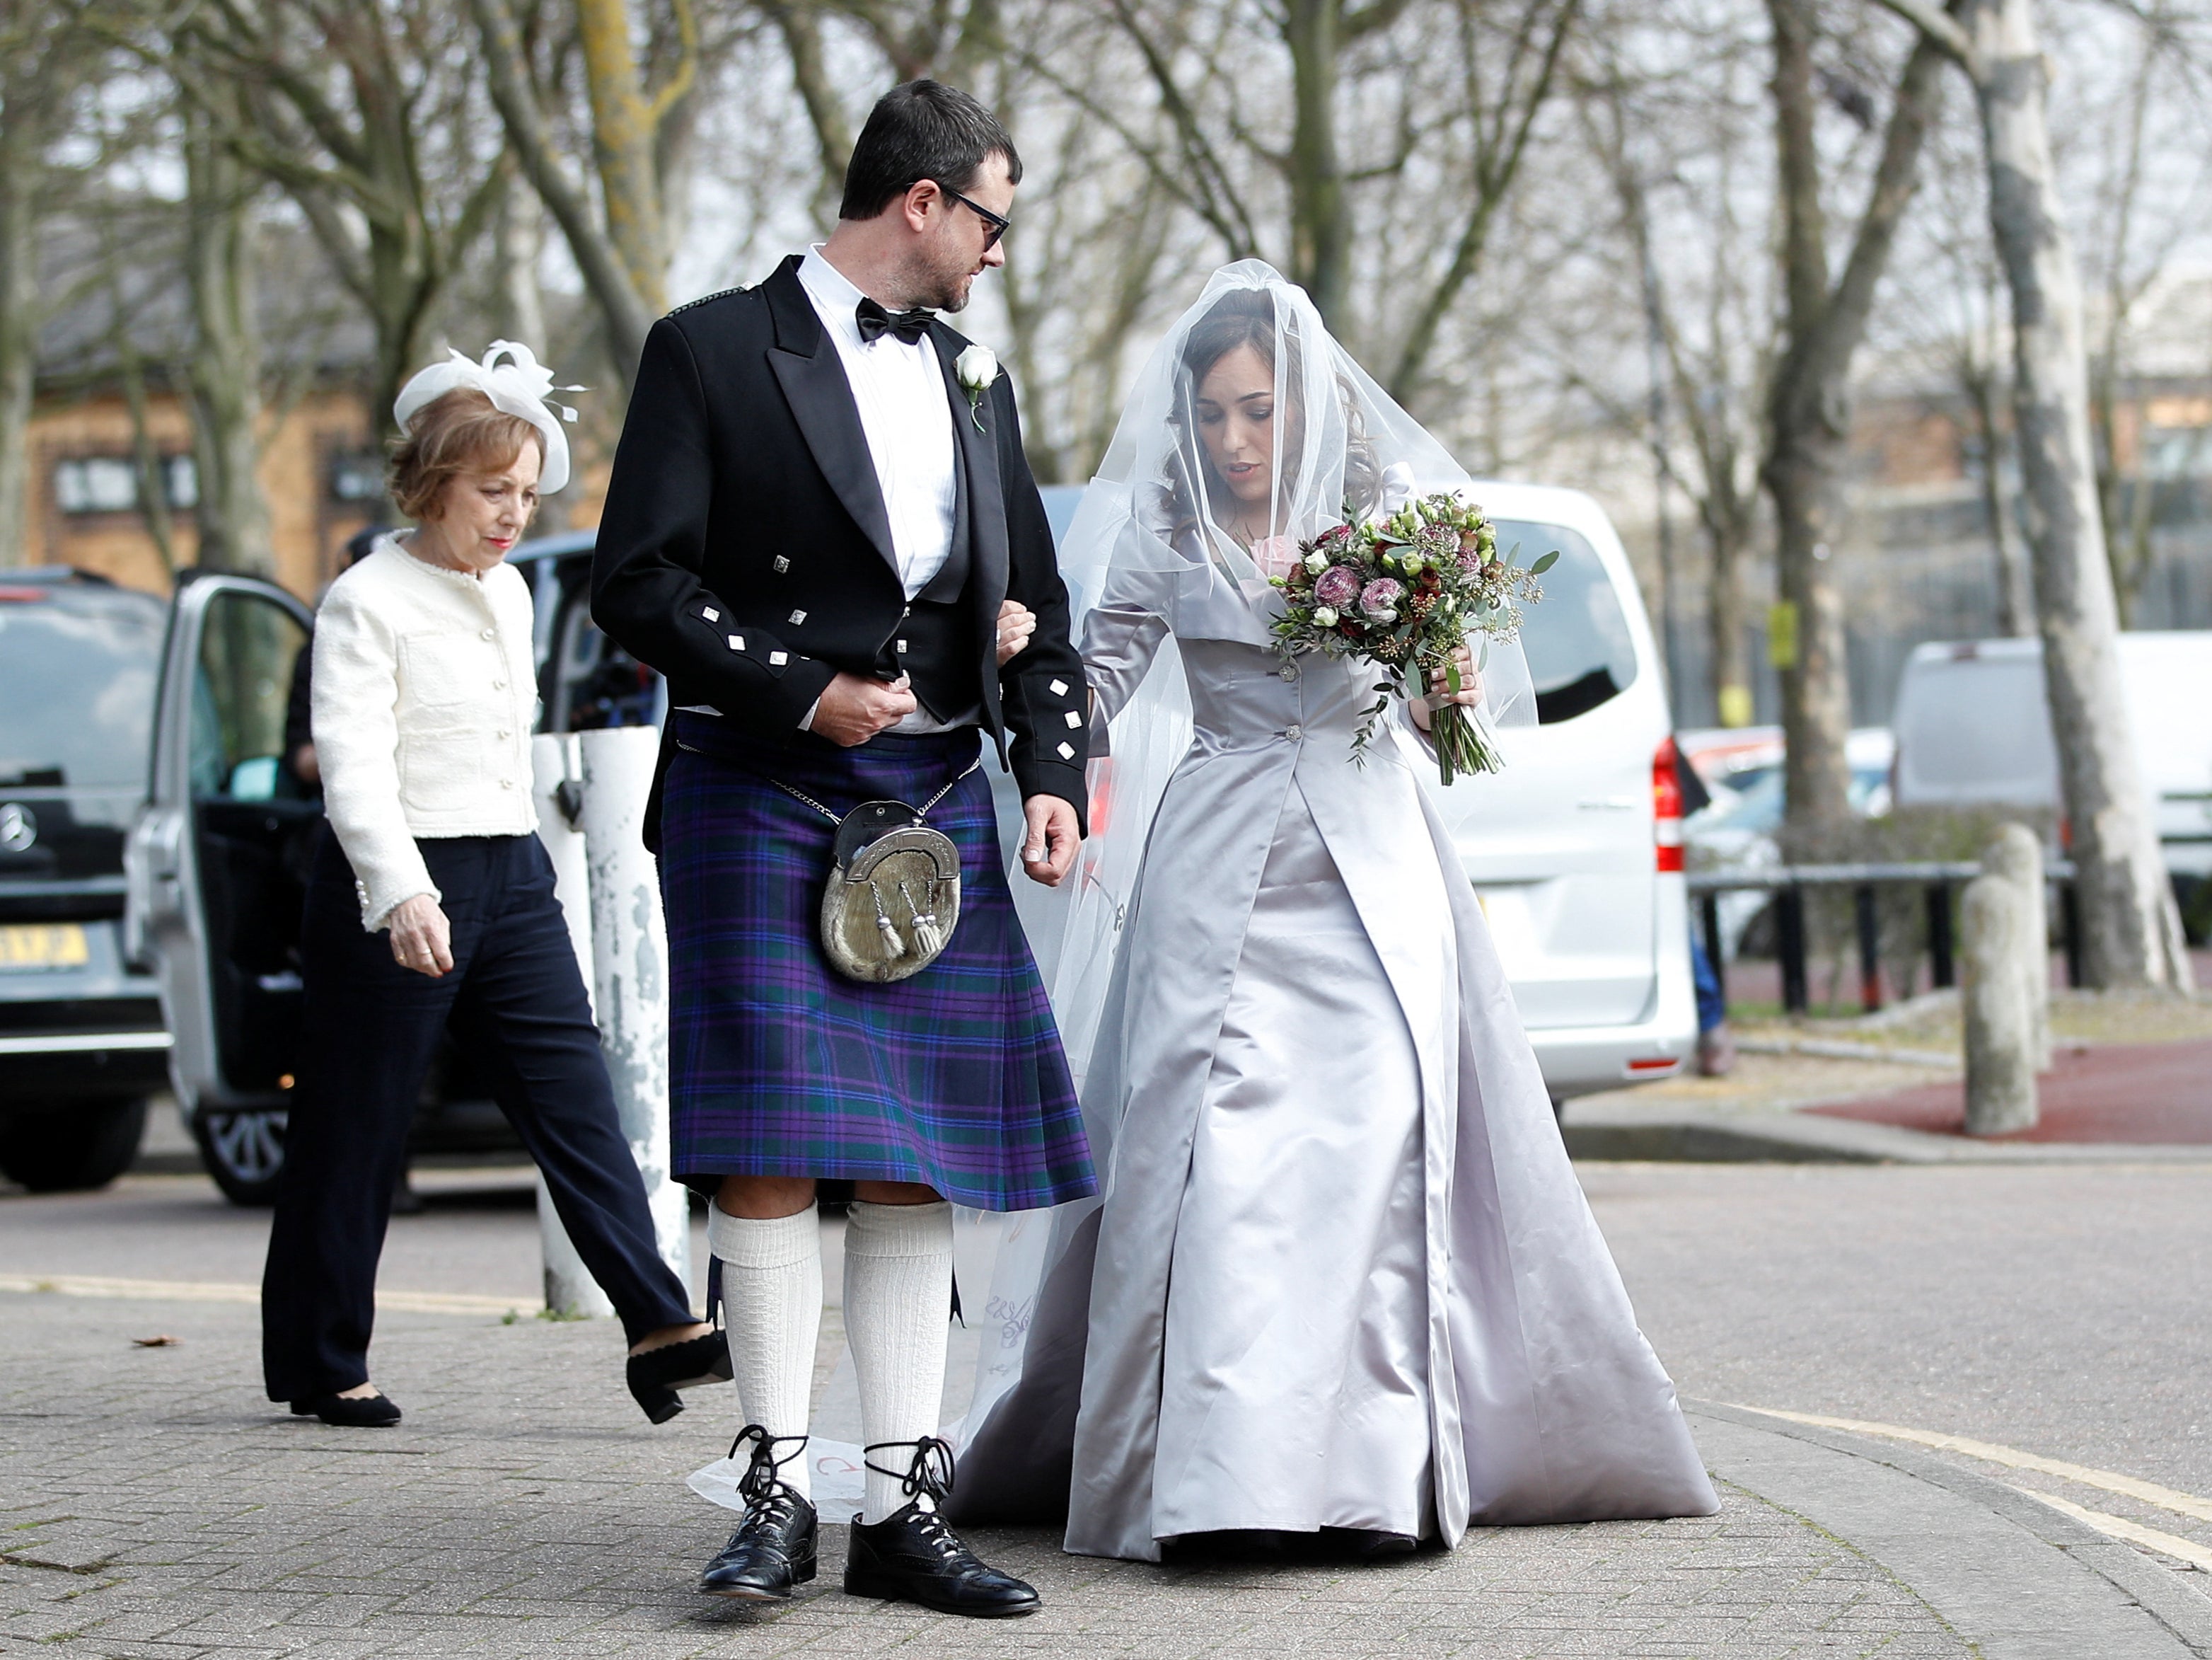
point(629, 954)
point(2015, 854)
point(1999, 1019)
point(571, 1290)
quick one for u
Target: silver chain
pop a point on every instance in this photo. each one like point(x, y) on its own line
point(839, 818)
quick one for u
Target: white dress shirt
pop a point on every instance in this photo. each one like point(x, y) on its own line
point(425, 692)
point(907, 417)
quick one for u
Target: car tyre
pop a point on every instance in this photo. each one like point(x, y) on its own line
point(243, 1150)
point(70, 1147)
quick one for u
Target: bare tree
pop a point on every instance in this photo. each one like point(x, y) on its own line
point(44, 54)
point(2131, 932)
point(364, 116)
point(640, 71)
point(1809, 405)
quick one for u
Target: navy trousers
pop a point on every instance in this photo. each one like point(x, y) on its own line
point(515, 1001)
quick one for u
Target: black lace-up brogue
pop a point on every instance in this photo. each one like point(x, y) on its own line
point(773, 1549)
point(913, 1556)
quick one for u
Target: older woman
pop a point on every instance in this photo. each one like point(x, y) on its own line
point(431, 905)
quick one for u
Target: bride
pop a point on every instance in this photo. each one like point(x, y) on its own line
point(1341, 1291)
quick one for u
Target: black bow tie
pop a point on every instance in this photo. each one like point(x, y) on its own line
point(875, 322)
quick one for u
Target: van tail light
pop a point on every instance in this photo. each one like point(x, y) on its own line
point(1666, 807)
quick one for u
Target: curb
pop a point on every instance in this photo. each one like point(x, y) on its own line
point(2019, 1580)
point(1630, 1132)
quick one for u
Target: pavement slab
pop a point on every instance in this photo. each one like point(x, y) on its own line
point(150, 1505)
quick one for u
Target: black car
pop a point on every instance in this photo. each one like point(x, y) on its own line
point(82, 1039)
point(218, 859)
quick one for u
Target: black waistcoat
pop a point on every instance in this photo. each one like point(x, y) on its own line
point(935, 643)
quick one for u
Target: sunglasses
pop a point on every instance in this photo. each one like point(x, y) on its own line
point(994, 225)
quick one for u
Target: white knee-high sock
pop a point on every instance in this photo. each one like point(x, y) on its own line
point(898, 1309)
point(772, 1295)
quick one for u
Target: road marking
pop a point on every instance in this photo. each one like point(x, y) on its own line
point(2115, 1527)
point(2181, 1504)
point(217, 1290)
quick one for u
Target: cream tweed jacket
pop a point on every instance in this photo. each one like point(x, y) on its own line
point(425, 693)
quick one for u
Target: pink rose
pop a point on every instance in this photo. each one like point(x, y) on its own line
point(1379, 597)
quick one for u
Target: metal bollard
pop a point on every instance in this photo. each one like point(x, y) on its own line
point(1789, 929)
point(630, 953)
point(571, 1290)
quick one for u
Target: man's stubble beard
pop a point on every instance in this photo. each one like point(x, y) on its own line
point(929, 284)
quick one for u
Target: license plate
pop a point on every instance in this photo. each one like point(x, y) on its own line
point(43, 946)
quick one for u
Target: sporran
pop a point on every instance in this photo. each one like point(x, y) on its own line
point(893, 897)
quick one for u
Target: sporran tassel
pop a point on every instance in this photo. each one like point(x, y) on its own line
point(894, 947)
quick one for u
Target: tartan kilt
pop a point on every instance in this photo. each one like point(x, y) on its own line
point(779, 1065)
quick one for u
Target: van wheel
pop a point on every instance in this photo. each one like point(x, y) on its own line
point(243, 1150)
point(71, 1145)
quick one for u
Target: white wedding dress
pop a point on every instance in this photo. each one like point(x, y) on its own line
point(1340, 1274)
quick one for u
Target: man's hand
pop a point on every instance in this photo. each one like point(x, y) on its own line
point(1017, 622)
point(1049, 842)
point(421, 938)
point(854, 710)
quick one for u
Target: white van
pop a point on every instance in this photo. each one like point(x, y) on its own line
point(1577, 857)
point(1973, 729)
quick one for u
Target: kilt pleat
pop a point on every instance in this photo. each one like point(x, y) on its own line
point(780, 1066)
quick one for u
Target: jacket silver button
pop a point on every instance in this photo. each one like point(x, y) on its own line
point(491, 634)
point(1294, 731)
point(1288, 671)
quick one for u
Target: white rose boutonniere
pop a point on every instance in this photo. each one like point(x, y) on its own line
point(977, 368)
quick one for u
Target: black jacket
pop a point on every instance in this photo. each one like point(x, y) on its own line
point(744, 506)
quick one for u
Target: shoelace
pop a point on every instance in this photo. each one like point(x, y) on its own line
point(929, 1473)
point(761, 1484)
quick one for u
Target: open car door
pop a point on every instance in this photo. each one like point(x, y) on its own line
point(217, 870)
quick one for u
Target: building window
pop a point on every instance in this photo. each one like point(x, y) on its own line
point(357, 478)
point(109, 484)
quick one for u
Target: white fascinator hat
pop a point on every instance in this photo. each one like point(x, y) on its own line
point(518, 387)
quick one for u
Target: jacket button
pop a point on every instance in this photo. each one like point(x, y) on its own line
point(1294, 731)
point(506, 783)
point(1288, 671)
point(499, 686)
point(491, 634)
point(502, 732)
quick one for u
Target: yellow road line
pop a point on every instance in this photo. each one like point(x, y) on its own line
point(215, 1290)
point(2115, 1527)
point(2181, 1504)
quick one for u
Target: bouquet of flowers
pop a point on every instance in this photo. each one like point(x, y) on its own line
point(1404, 593)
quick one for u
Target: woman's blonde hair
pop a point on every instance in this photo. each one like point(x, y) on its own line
point(461, 433)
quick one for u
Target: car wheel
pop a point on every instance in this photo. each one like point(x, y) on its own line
point(69, 1147)
point(243, 1150)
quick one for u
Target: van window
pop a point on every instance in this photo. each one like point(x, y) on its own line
point(77, 678)
point(1580, 654)
point(249, 647)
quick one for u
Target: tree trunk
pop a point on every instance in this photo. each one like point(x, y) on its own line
point(224, 369)
point(2015, 588)
point(623, 125)
point(2131, 933)
point(1320, 243)
point(22, 137)
point(1729, 536)
point(1810, 408)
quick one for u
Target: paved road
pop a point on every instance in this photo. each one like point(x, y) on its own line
point(2061, 1311)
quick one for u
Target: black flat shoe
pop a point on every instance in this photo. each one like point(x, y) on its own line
point(773, 1549)
point(360, 1412)
point(913, 1556)
point(656, 1375)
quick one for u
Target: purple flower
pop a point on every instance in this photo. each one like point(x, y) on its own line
point(1338, 586)
point(1378, 597)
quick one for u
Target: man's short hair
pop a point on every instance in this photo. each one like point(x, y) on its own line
point(923, 130)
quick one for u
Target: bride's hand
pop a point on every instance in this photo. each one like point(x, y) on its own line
point(1468, 695)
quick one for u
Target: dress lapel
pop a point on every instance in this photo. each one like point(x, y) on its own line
point(979, 458)
point(813, 376)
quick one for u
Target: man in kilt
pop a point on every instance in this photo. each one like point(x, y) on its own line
point(821, 529)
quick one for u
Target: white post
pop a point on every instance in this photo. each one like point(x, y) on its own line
point(571, 1290)
point(630, 955)
point(2000, 1019)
